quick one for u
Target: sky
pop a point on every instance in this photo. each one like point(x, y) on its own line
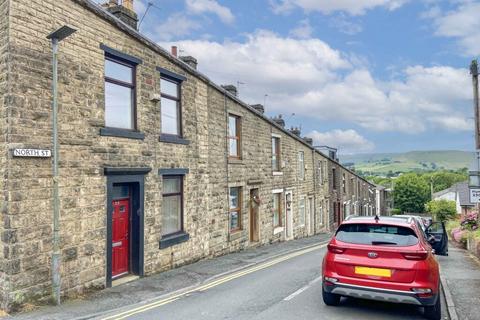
point(360, 75)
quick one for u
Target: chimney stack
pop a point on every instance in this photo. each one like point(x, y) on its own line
point(191, 61)
point(174, 51)
point(123, 11)
point(231, 89)
point(278, 120)
point(296, 131)
point(259, 107)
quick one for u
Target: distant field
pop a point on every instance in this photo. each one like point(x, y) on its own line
point(383, 163)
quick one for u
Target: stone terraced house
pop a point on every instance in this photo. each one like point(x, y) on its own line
point(159, 166)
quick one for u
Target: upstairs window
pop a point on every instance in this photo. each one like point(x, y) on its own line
point(275, 154)
point(234, 139)
point(344, 183)
point(119, 94)
point(334, 178)
point(171, 116)
point(301, 165)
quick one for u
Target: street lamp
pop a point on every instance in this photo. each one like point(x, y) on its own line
point(56, 36)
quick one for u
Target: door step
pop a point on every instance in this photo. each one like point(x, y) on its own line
point(124, 279)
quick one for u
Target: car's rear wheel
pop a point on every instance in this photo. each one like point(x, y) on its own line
point(434, 312)
point(330, 299)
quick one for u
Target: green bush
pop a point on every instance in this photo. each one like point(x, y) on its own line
point(442, 210)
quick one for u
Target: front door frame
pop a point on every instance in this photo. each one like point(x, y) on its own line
point(254, 216)
point(288, 217)
point(135, 178)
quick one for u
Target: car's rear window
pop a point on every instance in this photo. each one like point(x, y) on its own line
point(376, 234)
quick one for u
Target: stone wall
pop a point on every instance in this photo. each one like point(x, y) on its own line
point(3, 151)
point(84, 153)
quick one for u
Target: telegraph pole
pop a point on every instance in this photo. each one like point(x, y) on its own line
point(475, 173)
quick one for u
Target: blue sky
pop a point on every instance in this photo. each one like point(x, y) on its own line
point(360, 75)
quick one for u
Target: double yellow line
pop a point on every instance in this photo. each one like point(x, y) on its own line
point(212, 284)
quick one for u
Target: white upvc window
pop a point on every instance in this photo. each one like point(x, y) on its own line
point(301, 211)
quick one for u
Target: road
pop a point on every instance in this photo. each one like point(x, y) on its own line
point(288, 287)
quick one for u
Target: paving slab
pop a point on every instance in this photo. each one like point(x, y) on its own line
point(460, 274)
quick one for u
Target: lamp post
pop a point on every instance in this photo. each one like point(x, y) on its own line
point(474, 172)
point(55, 37)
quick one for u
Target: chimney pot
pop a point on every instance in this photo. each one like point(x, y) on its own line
point(296, 131)
point(191, 61)
point(308, 140)
point(259, 107)
point(231, 89)
point(174, 51)
point(278, 120)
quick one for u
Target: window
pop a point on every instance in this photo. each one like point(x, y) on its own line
point(235, 209)
point(301, 165)
point(119, 94)
point(301, 212)
point(320, 172)
point(277, 210)
point(334, 178)
point(172, 205)
point(344, 183)
point(275, 154)
point(234, 136)
point(377, 234)
point(171, 116)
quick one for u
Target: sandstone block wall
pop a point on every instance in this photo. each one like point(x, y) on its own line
point(4, 30)
point(26, 186)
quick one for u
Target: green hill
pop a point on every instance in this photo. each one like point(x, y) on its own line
point(383, 163)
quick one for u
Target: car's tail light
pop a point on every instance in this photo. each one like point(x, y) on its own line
point(329, 281)
point(422, 292)
point(335, 249)
point(419, 255)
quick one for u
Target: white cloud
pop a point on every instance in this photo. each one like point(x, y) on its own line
point(346, 141)
point(352, 7)
point(303, 30)
point(308, 77)
point(177, 25)
point(462, 24)
point(344, 25)
point(210, 6)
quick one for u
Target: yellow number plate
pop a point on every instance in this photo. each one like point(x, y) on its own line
point(373, 271)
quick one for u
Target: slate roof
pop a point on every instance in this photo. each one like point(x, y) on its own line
point(460, 188)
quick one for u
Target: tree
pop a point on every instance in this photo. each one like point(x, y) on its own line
point(411, 192)
point(442, 180)
point(442, 209)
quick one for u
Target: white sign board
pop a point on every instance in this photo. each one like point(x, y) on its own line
point(475, 195)
point(32, 153)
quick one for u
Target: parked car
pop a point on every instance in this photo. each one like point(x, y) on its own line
point(385, 259)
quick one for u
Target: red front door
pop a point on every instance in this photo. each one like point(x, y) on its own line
point(120, 239)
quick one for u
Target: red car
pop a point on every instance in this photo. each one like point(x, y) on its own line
point(384, 259)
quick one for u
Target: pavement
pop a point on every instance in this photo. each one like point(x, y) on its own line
point(460, 275)
point(168, 283)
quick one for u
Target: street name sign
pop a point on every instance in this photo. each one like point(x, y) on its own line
point(475, 195)
point(32, 153)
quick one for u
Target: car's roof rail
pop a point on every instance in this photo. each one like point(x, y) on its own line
point(410, 220)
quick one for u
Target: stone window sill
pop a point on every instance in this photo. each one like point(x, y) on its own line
point(236, 234)
point(277, 173)
point(235, 161)
point(278, 230)
point(173, 239)
point(122, 133)
point(168, 138)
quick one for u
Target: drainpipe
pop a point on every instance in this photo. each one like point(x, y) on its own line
point(226, 163)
